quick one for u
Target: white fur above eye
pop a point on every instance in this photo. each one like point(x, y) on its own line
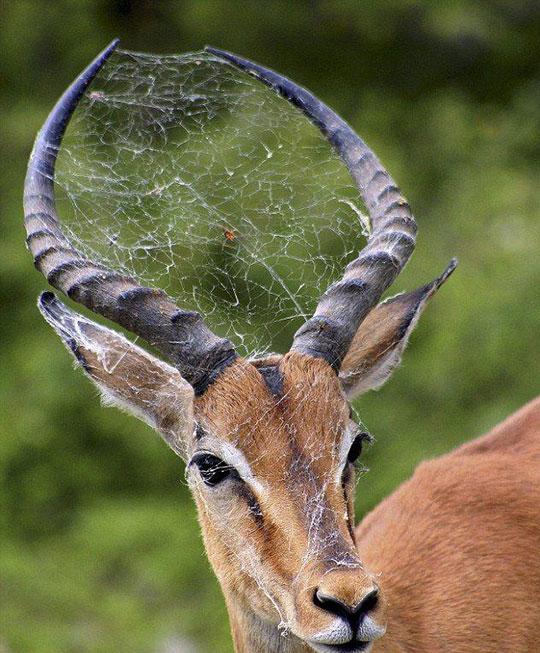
point(345, 446)
point(235, 458)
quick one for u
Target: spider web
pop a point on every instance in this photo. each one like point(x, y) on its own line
point(196, 178)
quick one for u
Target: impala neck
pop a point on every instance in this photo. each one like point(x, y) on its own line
point(251, 634)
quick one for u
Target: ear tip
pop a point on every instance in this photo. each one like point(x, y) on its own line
point(46, 297)
point(48, 304)
point(52, 309)
point(446, 274)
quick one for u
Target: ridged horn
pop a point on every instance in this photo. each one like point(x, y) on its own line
point(329, 333)
point(179, 335)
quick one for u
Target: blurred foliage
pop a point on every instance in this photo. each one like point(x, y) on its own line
point(100, 549)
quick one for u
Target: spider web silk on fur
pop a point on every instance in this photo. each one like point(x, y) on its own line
point(196, 178)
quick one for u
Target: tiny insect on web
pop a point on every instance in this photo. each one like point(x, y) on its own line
point(192, 176)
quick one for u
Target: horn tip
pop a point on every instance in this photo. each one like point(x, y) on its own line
point(106, 53)
point(266, 75)
point(212, 50)
point(228, 56)
point(111, 47)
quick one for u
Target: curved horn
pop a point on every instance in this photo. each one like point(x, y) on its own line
point(328, 334)
point(180, 335)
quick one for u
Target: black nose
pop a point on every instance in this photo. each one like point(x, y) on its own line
point(354, 614)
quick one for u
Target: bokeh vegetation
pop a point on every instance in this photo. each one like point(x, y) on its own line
point(100, 550)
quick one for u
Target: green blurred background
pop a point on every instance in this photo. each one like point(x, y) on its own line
point(100, 549)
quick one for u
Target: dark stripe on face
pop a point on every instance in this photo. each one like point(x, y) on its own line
point(247, 495)
point(319, 516)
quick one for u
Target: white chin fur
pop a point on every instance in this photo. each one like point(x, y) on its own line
point(340, 633)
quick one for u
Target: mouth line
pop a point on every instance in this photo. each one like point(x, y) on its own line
point(354, 646)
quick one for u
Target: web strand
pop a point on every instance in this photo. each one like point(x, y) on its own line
point(197, 179)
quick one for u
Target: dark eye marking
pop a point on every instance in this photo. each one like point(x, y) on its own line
point(212, 469)
point(243, 491)
point(356, 446)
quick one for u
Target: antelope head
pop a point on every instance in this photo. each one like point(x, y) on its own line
point(269, 444)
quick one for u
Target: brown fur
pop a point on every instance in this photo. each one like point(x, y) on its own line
point(379, 333)
point(282, 439)
point(455, 550)
point(458, 547)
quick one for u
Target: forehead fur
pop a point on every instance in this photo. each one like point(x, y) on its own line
point(304, 419)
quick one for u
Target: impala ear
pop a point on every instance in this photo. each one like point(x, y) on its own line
point(381, 338)
point(127, 376)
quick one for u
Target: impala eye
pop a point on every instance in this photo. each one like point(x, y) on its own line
point(356, 447)
point(212, 469)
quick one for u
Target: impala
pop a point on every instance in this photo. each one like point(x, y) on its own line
point(449, 562)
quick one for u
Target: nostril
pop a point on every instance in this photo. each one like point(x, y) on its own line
point(369, 602)
point(342, 609)
point(331, 604)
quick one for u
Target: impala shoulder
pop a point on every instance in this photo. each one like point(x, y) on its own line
point(517, 434)
point(412, 500)
point(480, 477)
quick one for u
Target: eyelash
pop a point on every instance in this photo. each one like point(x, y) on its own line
point(212, 469)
